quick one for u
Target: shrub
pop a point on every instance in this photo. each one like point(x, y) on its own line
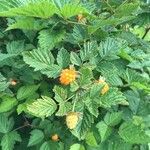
point(74, 75)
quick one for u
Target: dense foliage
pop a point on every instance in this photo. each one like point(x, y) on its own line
point(75, 74)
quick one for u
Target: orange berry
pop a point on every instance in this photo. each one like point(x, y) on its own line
point(13, 82)
point(72, 119)
point(55, 137)
point(106, 86)
point(80, 17)
point(67, 76)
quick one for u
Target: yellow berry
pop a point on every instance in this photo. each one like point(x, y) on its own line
point(72, 120)
point(67, 76)
point(105, 88)
point(55, 137)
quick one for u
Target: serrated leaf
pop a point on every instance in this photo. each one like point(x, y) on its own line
point(84, 125)
point(43, 107)
point(112, 119)
point(126, 9)
point(60, 93)
point(15, 47)
point(104, 130)
point(90, 139)
point(39, 58)
point(113, 97)
point(77, 146)
point(133, 133)
point(52, 71)
point(110, 48)
point(74, 58)
point(133, 98)
point(92, 105)
point(49, 39)
point(3, 83)
point(7, 103)
point(64, 108)
point(95, 90)
point(48, 145)
point(26, 91)
point(9, 139)
point(41, 9)
point(63, 58)
point(85, 77)
point(36, 137)
point(6, 124)
point(90, 50)
point(70, 10)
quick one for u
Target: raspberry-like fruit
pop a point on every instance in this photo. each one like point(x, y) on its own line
point(72, 119)
point(106, 86)
point(55, 137)
point(67, 76)
point(13, 82)
point(81, 19)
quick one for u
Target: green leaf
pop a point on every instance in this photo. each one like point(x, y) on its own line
point(15, 47)
point(91, 105)
point(25, 23)
point(26, 91)
point(112, 119)
point(110, 48)
point(64, 108)
point(43, 107)
point(104, 130)
point(133, 133)
point(49, 39)
point(9, 140)
point(39, 58)
point(77, 146)
point(89, 50)
point(95, 90)
point(52, 71)
point(3, 83)
point(6, 124)
point(113, 97)
point(63, 58)
point(126, 9)
point(84, 125)
point(41, 9)
point(7, 103)
point(133, 98)
point(75, 59)
point(45, 146)
point(36, 137)
point(90, 139)
point(85, 77)
point(60, 93)
point(70, 10)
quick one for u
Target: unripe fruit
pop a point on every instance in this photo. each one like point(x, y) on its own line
point(106, 86)
point(72, 120)
point(67, 76)
point(81, 19)
point(13, 82)
point(55, 137)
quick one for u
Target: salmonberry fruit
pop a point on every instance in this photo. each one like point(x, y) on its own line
point(13, 82)
point(72, 119)
point(67, 76)
point(106, 86)
point(55, 137)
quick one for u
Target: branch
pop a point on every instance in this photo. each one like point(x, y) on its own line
point(146, 31)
